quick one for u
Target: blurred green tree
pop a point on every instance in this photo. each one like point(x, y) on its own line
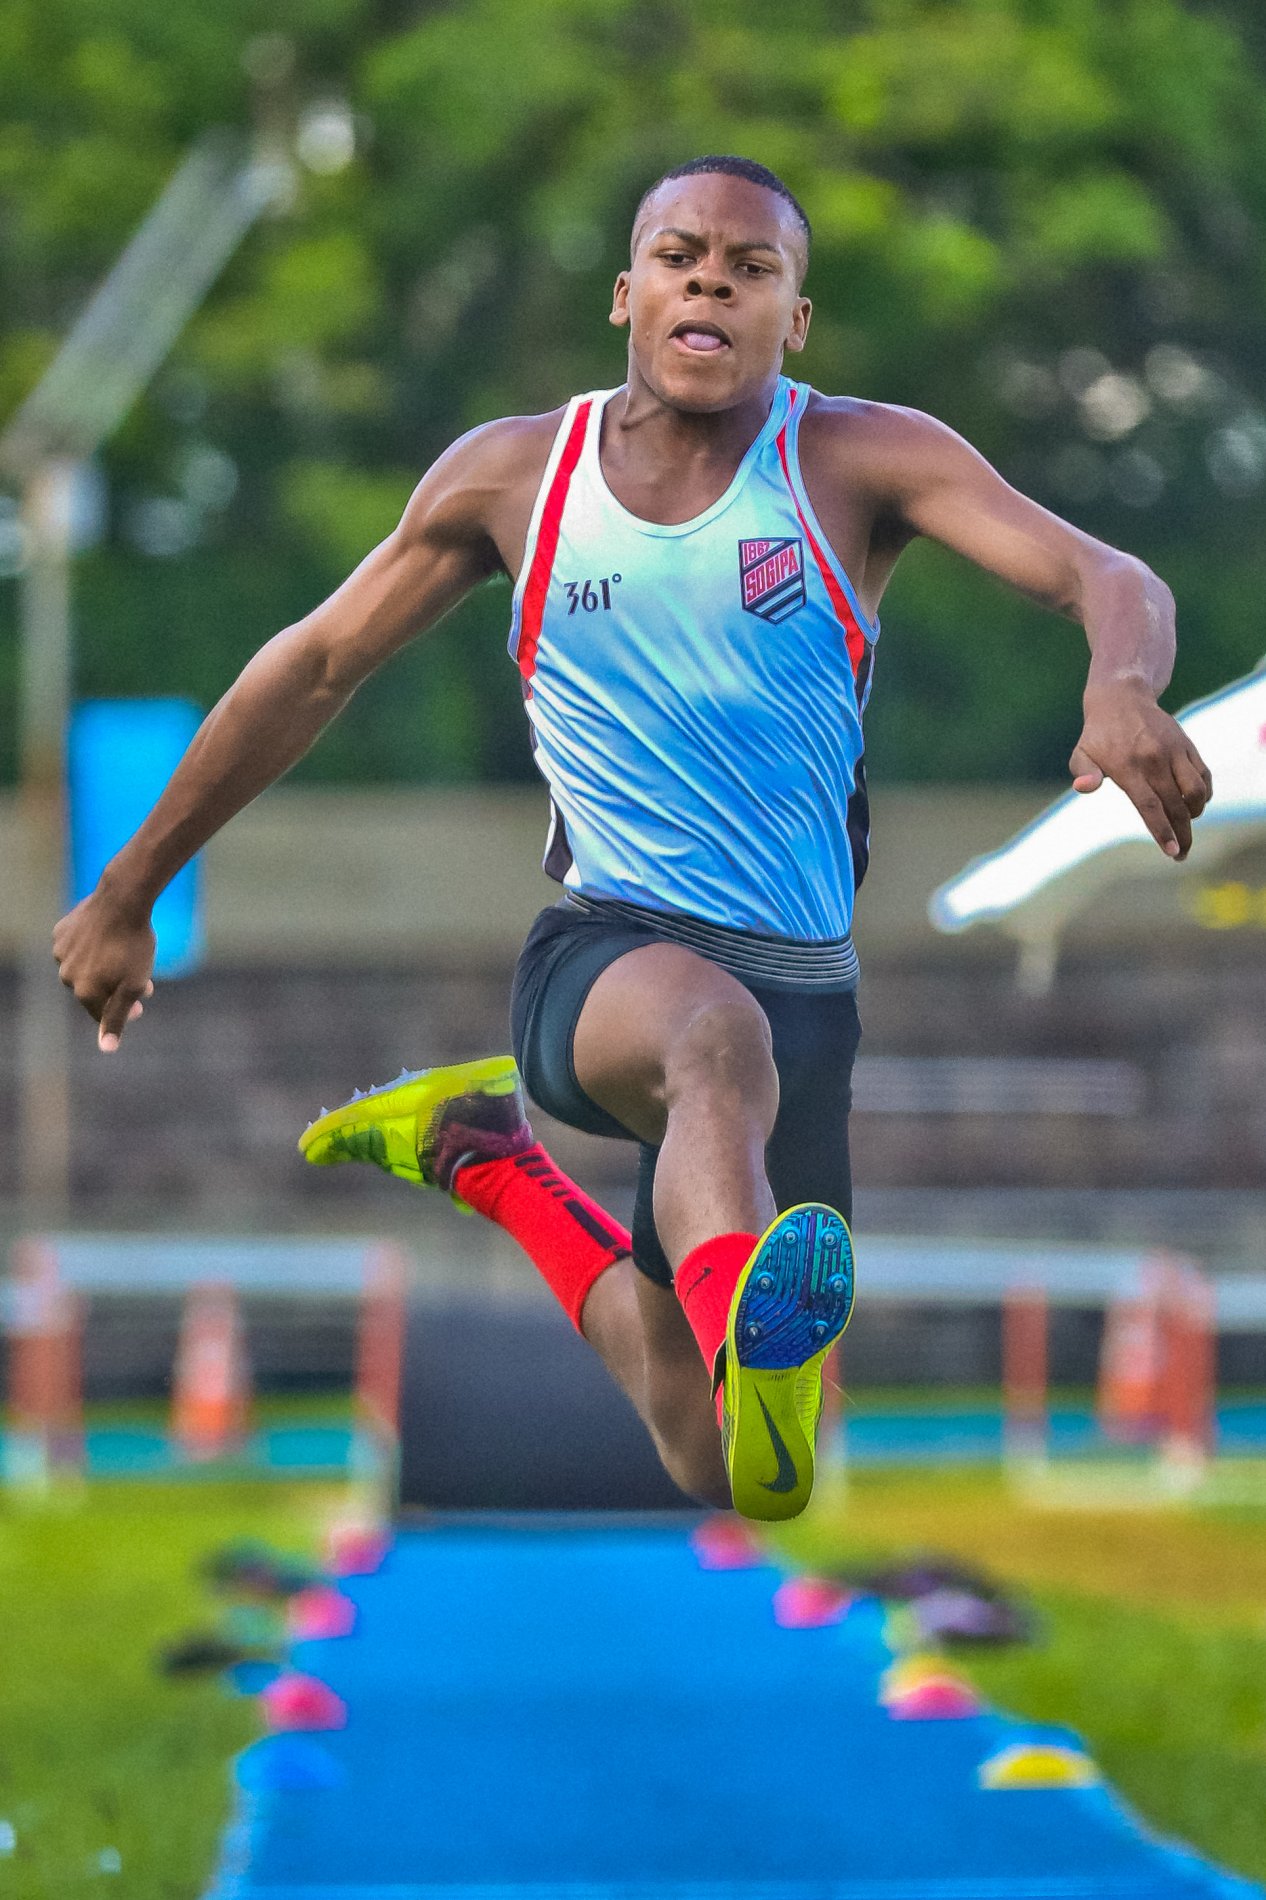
point(1040, 219)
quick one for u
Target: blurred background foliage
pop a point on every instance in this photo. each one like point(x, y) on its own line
point(1040, 219)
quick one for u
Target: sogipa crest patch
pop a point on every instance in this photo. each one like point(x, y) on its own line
point(771, 577)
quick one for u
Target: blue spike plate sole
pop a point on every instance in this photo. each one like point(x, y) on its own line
point(798, 1292)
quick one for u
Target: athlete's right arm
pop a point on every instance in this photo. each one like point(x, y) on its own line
point(451, 536)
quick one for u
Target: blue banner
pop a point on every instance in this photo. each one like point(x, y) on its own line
point(120, 755)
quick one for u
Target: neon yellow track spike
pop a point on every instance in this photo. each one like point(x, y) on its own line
point(792, 1302)
point(426, 1122)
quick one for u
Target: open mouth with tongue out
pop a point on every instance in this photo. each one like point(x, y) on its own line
point(699, 338)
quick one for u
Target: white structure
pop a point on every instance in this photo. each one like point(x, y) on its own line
point(1048, 871)
point(119, 340)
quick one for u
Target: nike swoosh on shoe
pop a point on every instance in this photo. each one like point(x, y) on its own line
point(786, 1479)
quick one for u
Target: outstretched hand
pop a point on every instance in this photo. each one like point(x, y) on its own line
point(1128, 738)
point(106, 953)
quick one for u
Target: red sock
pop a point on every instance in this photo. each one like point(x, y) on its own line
point(705, 1284)
point(567, 1237)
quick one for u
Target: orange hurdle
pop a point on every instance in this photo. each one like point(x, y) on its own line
point(380, 1342)
point(1025, 1373)
point(45, 1378)
point(210, 1413)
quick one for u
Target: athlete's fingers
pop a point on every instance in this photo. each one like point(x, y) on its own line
point(1166, 788)
point(138, 1008)
point(1179, 807)
point(1151, 809)
point(1195, 787)
point(115, 1017)
point(1087, 776)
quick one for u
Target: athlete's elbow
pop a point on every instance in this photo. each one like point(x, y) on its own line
point(1105, 577)
point(1159, 596)
point(320, 670)
point(1138, 586)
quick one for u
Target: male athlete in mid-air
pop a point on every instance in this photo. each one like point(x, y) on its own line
point(698, 560)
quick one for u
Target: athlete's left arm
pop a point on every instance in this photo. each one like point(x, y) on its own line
point(935, 484)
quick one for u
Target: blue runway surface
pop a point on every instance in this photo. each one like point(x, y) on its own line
point(578, 1712)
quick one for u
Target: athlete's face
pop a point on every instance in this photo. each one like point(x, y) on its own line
point(711, 298)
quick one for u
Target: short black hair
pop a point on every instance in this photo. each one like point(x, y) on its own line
point(732, 167)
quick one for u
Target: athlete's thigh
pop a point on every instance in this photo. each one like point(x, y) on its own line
point(637, 1011)
point(815, 1042)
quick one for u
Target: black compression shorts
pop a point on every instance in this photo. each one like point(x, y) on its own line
point(815, 1037)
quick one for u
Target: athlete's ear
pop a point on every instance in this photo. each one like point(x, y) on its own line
point(799, 324)
point(620, 302)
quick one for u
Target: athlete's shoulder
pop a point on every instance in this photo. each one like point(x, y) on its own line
point(506, 446)
point(879, 441)
point(854, 422)
point(492, 470)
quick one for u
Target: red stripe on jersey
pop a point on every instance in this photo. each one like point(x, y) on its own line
point(854, 637)
point(542, 567)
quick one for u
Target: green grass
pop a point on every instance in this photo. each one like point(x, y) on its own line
point(1175, 1714)
point(1153, 1647)
point(97, 1751)
point(1153, 1634)
point(984, 1398)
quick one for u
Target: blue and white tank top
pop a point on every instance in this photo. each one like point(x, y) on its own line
point(696, 695)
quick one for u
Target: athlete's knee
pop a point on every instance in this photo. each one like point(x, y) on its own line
point(704, 1485)
point(723, 1047)
point(684, 1429)
point(697, 1470)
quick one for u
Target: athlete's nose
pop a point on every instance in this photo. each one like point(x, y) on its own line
point(705, 284)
